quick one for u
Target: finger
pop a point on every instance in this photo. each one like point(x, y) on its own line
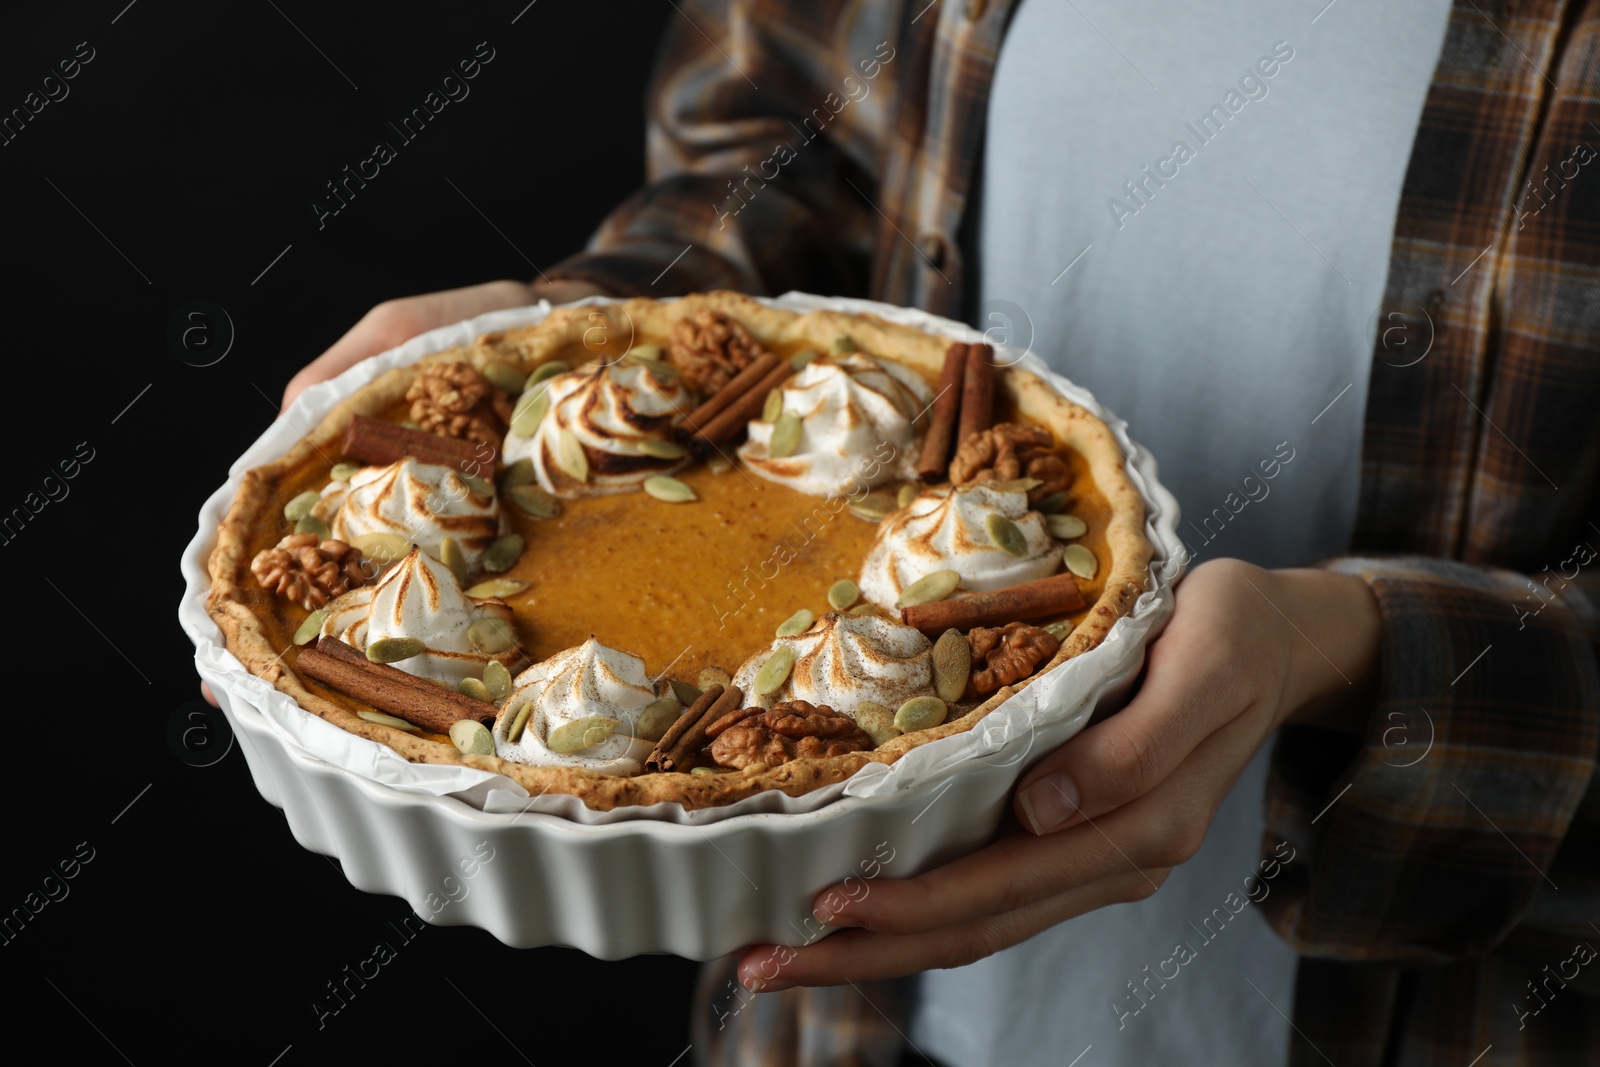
point(1163, 828)
point(208, 695)
point(863, 955)
point(1186, 697)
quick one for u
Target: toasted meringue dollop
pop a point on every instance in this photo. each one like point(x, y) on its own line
point(856, 426)
point(944, 529)
point(590, 680)
point(422, 502)
point(609, 408)
point(419, 597)
point(846, 659)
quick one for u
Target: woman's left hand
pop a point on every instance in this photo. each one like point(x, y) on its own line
point(1108, 814)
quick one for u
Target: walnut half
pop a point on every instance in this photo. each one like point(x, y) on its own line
point(1008, 451)
point(455, 400)
point(708, 348)
point(1008, 654)
point(793, 729)
point(308, 571)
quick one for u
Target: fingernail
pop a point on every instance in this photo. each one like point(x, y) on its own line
point(1049, 803)
point(767, 985)
point(838, 919)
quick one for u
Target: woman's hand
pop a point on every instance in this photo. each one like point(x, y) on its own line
point(1109, 813)
point(395, 322)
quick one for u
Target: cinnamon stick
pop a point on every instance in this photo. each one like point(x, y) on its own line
point(1056, 595)
point(389, 689)
point(733, 418)
point(381, 443)
point(977, 392)
point(935, 459)
point(687, 736)
point(737, 386)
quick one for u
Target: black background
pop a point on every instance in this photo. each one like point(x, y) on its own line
point(182, 162)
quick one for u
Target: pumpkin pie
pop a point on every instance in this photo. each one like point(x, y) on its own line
point(680, 551)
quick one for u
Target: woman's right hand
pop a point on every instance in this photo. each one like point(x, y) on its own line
point(395, 322)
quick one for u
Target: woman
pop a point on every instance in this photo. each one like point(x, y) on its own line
point(1355, 248)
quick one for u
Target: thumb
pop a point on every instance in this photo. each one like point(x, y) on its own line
point(1126, 755)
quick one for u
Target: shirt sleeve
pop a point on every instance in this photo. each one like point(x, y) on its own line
point(1466, 818)
point(757, 130)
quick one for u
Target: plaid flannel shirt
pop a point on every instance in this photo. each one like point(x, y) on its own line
point(1450, 905)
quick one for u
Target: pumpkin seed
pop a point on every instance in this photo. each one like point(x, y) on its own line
point(662, 449)
point(395, 649)
point(309, 629)
point(801, 359)
point(301, 506)
point(519, 473)
point(797, 624)
point(382, 547)
point(908, 492)
point(686, 693)
point(546, 371)
point(534, 502)
point(479, 486)
point(774, 672)
point(491, 635)
point(579, 734)
point(474, 688)
point(952, 665)
point(313, 525)
point(785, 436)
point(471, 738)
point(1066, 527)
point(496, 679)
point(842, 594)
point(773, 407)
point(1053, 503)
point(877, 721)
point(705, 770)
point(869, 609)
point(571, 457)
point(497, 587)
point(451, 556)
point(505, 377)
point(710, 676)
point(874, 507)
point(920, 713)
point(655, 717)
point(1059, 630)
point(649, 352)
point(719, 465)
point(931, 587)
point(844, 343)
point(389, 720)
point(517, 718)
point(1016, 485)
point(343, 472)
point(502, 555)
point(668, 489)
point(1080, 561)
point(530, 412)
point(411, 424)
point(663, 373)
point(1006, 535)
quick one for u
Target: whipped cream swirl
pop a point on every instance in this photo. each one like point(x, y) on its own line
point(846, 659)
point(856, 426)
point(610, 408)
point(590, 680)
point(419, 597)
point(945, 530)
point(421, 502)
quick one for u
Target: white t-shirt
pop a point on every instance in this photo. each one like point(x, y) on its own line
point(1188, 208)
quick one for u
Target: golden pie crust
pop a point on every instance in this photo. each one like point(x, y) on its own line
point(1123, 576)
